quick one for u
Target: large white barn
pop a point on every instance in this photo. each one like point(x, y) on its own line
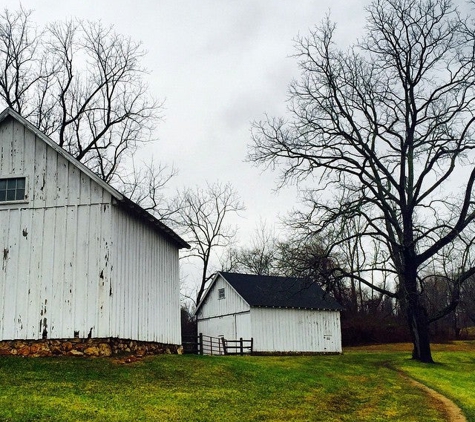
point(281, 314)
point(78, 258)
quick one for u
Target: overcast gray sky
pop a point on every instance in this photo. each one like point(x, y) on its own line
point(218, 64)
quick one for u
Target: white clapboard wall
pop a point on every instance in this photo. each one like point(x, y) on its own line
point(273, 329)
point(73, 261)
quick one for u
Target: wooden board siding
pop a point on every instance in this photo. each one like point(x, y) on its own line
point(53, 244)
point(229, 317)
point(73, 262)
point(51, 273)
point(213, 306)
point(295, 330)
point(232, 326)
point(145, 283)
point(52, 181)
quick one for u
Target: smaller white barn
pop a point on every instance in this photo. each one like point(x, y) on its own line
point(281, 314)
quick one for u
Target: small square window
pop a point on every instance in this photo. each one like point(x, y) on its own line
point(221, 294)
point(12, 189)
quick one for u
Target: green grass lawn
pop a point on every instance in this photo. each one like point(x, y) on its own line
point(453, 375)
point(360, 385)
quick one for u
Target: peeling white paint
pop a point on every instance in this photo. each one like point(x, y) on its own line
point(73, 264)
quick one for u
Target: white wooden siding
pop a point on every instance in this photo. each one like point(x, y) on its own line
point(145, 283)
point(51, 266)
point(213, 306)
point(273, 329)
point(232, 327)
point(229, 317)
point(219, 326)
point(295, 330)
point(72, 261)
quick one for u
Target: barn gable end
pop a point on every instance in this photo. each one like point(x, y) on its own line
point(79, 259)
point(223, 311)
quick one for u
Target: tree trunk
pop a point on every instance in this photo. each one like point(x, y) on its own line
point(416, 314)
point(419, 326)
point(204, 278)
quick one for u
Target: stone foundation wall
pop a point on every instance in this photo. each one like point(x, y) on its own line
point(85, 347)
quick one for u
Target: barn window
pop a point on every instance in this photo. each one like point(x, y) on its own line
point(221, 294)
point(12, 189)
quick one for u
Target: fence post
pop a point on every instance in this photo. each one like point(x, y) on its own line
point(240, 346)
point(224, 345)
point(200, 342)
point(252, 344)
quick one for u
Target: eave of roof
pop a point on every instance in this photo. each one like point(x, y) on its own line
point(122, 200)
point(293, 307)
point(148, 218)
point(263, 292)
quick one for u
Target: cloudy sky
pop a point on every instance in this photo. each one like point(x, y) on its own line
point(219, 65)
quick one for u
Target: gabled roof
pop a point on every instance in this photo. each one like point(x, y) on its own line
point(278, 292)
point(130, 206)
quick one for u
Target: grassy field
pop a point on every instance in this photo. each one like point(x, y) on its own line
point(453, 375)
point(360, 385)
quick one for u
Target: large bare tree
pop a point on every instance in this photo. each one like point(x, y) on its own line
point(80, 83)
point(202, 216)
point(384, 131)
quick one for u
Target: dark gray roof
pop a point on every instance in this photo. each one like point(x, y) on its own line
point(280, 292)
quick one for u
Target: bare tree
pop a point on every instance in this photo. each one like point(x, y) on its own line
point(259, 258)
point(22, 64)
point(80, 83)
point(201, 217)
point(439, 291)
point(305, 258)
point(145, 184)
point(447, 287)
point(467, 302)
point(386, 127)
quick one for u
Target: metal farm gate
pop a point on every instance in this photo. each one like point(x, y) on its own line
point(217, 346)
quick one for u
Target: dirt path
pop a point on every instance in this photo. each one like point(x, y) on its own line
point(453, 412)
